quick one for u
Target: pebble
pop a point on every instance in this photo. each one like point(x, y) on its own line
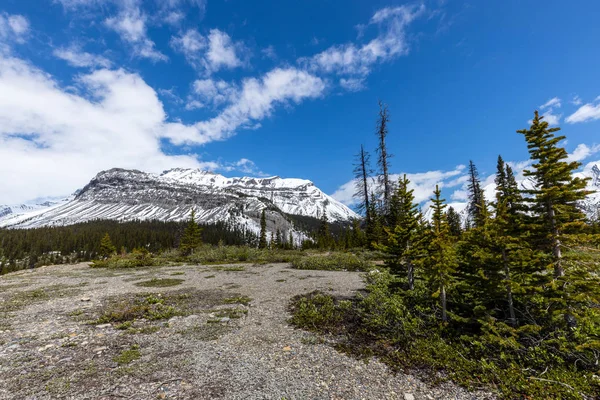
point(85, 299)
point(409, 396)
point(102, 326)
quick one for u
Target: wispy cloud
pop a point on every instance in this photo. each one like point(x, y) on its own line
point(553, 102)
point(76, 57)
point(13, 28)
point(423, 184)
point(353, 59)
point(585, 113)
point(254, 101)
point(130, 24)
point(211, 53)
point(583, 151)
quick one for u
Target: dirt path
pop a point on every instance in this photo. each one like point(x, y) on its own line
point(219, 348)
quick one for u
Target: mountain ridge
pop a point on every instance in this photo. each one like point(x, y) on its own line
point(129, 194)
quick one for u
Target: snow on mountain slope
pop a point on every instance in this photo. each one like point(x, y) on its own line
point(127, 195)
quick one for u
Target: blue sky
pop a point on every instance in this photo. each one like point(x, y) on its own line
point(287, 88)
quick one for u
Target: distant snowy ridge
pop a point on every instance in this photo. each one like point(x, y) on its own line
point(127, 195)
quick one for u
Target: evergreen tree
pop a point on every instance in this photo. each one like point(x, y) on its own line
point(291, 242)
point(402, 237)
point(556, 190)
point(454, 222)
point(278, 239)
point(262, 242)
point(362, 175)
point(192, 236)
point(477, 207)
point(440, 263)
point(374, 231)
point(383, 157)
point(106, 247)
point(324, 238)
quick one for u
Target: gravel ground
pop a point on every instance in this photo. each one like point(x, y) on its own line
point(50, 348)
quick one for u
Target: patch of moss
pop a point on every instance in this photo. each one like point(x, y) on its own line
point(165, 282)
point(245, 300)
point(128, 356)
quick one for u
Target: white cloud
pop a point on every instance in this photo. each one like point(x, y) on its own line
point(576, 100)
point(353, 84)
point(130, 24)
point(253, 102)
point(585, 113)
point(583, 151)
point(551, 118)
point(53, 141)
point(269, 52)
point(13, 28)
point(209, 54)
point(245, 166)
point(215, 92)
point(73, 4)
point(79, 58)
point(423, 184)
point(350, 59)
point(553, 102)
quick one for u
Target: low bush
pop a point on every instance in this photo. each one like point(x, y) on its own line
point(332, 262)
point(405, 333)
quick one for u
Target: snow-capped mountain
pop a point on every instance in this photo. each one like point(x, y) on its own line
point(127, 195)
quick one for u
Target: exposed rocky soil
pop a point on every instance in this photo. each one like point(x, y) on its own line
point(60, 337)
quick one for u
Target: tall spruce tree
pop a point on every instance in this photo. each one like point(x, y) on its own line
point(362, 175)
point(324, 239)
point(556, 191)
point(440, 263)
point(262, 241)
point(402, 237)
point(477, 206)
point(192, 236)
point(383, 157)
point(454, 222)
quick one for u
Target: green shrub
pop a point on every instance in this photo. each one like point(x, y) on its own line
point(332, 262)
point(400, 328)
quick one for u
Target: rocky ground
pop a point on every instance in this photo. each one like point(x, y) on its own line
point(220, 332)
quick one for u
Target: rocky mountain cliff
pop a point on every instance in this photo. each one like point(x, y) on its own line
point(127, 195)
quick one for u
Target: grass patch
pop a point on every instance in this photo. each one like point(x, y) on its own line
point(209, 276)
point(244, 300)
point(124, 310)
point(280, 280)
point(21, 300)
point(165, 282)
point(332, 262)
point(206, 332)
point(229, 269)
point(177, 273)
point(128, 356)
point(203, 255)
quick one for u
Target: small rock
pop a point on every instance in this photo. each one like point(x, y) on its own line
point(99, 349)
point(225, 319)
point(102, 326)
point(85, 299)
point(409, 396)
point(46, 347)
point(287, 348)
